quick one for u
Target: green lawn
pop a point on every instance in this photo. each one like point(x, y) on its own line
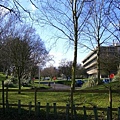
point(61, 98)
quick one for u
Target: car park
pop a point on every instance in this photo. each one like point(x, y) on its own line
point(79, 83)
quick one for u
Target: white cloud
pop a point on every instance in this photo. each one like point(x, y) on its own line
point(33, 7)
point(57, 56)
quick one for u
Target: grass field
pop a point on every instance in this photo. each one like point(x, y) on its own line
point(62, 98)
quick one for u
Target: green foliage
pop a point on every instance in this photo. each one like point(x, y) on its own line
point(117, 77)
point(92, 81)
point(11, 82)
point(8, 83)
point(26, 85)
point(14, 80)
point(2, 77)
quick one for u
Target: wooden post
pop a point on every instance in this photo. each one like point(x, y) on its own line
point(3, 101)
point(108, 113)
point(47, 111)
point(85, 115)
point(55, 111)
point(75, 113)
point(67, 111)
point(110, 102)
point(35, 99)
point(19, 107)
point(119, 113)
point(30, 106)
point(38, 109)
point(7, 106)
point(7, 93)
point(19, 79)
point(95, 112)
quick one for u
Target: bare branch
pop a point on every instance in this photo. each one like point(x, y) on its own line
point(25, 10)
point(9, 9)
point(34, 4)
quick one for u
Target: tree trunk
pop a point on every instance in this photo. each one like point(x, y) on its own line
point(19, 80)
point(19, 91)
point(73, 77)
point(98, 64)
point(75, 20)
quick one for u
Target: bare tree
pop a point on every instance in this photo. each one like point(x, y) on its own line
point(110, 63)
point(22, 48)
point(68, 18)
point(4, 32)
point(49, 72)
point(112, 13)
point(65, 68)
point(96, 32)
point(15, 7)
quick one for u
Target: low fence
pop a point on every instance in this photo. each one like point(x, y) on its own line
point(6, 106)
point(56, 116)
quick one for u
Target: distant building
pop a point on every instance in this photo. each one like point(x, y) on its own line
point(109, 57)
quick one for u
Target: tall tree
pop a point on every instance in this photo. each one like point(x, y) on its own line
point(22, 48)
point(49, 72)
point(65, 68)
point(112, 12)
point(96, 32)
point(68, 18)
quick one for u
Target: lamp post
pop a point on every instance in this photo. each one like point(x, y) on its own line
point(19, 79)
point(39, 75)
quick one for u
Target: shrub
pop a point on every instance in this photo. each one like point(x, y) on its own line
point(8, 83)
point(25, 83)
point(117, 77)
point(2, 77)
point(14, 80)
point(92, 81)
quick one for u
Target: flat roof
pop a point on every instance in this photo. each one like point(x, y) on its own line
point(92, 52)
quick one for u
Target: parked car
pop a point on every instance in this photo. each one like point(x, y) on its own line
point(46, 78)
point(79, 83)
point(106, 80)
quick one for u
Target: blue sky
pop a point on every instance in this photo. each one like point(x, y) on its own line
point(59, 49)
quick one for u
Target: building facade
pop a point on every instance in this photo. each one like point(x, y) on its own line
point(109, 60)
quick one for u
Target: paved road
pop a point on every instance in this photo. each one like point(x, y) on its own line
point(57, 86)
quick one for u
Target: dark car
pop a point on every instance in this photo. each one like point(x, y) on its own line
point(79, 83)
point(106, 80)
point(46, 78)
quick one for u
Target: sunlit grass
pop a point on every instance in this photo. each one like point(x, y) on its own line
point(62, 98)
